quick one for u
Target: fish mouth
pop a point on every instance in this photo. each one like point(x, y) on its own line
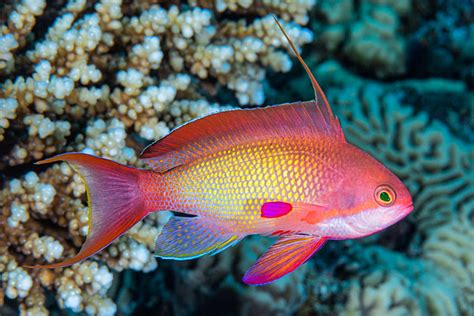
point(407, 209)
point(402, 213)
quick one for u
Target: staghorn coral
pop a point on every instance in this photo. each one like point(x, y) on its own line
point(105, 78)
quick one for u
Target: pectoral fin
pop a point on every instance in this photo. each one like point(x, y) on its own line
point(278, 209)
point(287, 254)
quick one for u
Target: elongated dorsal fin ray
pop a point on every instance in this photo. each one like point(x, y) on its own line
point(224, 130)
point(320, 97)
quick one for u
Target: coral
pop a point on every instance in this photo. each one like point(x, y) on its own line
point(78, 71)
point(450, 248)
point(439, 282)
point(106, 78)
point(366, 33)
point(13, 34)
point(442, 43)
point(297, 10)
point(383, 293)
point(390, 292)
point(397, 39)
point(107, 139)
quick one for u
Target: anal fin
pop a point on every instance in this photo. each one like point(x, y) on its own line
point(185, 238)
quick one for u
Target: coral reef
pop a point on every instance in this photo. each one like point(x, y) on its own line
point(387, 39)
point(442, 43)
point(366, 33)
point(133, 68)
point(106, 78)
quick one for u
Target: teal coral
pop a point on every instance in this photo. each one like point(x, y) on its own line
point(367, 33)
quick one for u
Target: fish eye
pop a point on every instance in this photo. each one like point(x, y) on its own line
point(384, 195)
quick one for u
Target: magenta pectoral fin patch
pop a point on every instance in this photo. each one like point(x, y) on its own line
point(275, 209)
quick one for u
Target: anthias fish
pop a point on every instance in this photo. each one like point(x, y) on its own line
point(284, 171)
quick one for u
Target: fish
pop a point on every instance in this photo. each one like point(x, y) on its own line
point(285, 171)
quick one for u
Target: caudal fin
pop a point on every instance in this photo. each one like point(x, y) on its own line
point(114, 198)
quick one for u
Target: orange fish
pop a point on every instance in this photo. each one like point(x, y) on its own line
point(283, 171)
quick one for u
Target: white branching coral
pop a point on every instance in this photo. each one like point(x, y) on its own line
point(45, 246)
point(89, 276)
point(129, 254)
point(14, 34)
point(107, 139)
point(18, 281)
point(297, 9)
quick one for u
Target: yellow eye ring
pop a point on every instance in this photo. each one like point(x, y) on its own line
point(384, 195)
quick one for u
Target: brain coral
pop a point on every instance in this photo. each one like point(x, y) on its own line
point(106, 78)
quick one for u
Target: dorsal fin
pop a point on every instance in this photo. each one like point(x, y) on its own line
point(320, 97)
point(226, 129)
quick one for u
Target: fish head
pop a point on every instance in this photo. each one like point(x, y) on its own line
point(369, 197)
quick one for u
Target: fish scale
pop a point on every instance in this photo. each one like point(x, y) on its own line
point(232, 185)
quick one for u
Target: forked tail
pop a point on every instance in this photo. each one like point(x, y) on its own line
point(115, 202)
